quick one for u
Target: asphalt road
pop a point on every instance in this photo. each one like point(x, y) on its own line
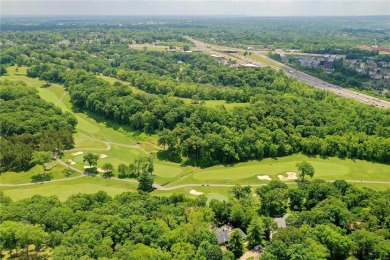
point(292, 73)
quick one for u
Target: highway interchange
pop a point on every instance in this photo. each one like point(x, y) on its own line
point(290, 72)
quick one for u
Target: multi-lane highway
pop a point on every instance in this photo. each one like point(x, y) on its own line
point(290, 72)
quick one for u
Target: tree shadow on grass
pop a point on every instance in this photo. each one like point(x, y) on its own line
point(41, 177)
point(91, 172)
point(166, 156)
point(109, 123)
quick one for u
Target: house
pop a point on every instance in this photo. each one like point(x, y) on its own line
point(63, 42)
point(327, 61)
point(249, 65)
point(219, 57)
point(281, 222)
point(223, 234)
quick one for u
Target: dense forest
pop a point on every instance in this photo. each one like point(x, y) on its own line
point(330, 126)
point(30, 124)
point(327, 221)
point(281, 116)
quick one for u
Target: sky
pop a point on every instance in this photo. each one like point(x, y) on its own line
point(197, 7)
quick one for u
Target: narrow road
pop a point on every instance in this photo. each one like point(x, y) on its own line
point(60, 100)
point(292, 73)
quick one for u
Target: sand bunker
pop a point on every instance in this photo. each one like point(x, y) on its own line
point(102, 156)
point(100, 170)
point(194, 192)
point(264, 177)
point(77, 153)
point(290, 176)
point(87, 167)
point(71, 162)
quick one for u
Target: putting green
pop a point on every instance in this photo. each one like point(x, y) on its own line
point(216, 196)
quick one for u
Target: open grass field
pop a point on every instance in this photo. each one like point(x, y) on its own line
point(28, 177)
point(328, 169)
point(65, 189)
point(219, 193)
point(263, 60)
point(149, 47)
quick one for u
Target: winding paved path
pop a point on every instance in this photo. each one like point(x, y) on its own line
point(160, 187)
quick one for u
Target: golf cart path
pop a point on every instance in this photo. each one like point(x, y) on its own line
point(160, 187)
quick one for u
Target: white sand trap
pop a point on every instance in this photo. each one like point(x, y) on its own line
point(102, 156)
point(71, 162)
point(264, 177)
point(290, 176)
point(194, 192)
point(77, 153)
point(100, 170)
point(87, 167)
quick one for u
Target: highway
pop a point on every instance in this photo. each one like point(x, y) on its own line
point(290, 72)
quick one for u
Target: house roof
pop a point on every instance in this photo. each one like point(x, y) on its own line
point(223, 234)
point(281, 222)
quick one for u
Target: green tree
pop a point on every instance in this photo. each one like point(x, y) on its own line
point(108, 168)
point(365, 243)
point(145, 182)
point(304, 169)
point(42, 158)
point(235, 243)
point(242, 192)
point(255, 233)
point(123, 170)
point(182, 251)
point(228, 255)
point(31, 235)
point(337, 244)
point(214, 252)
point(3, 70)
point(91, 159)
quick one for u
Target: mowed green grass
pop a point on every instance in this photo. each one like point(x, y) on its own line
point(64, 189)
point(89, 129)
point(83, 141)
point(164, 171)
point(26, 177)
point(263, 60)
point(219, 193)
point(328, 169)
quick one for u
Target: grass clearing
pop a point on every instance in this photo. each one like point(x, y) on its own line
point(264, 60)
point(27, 177)
point(65, 189)
point(219, 193)
point(328, 169)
